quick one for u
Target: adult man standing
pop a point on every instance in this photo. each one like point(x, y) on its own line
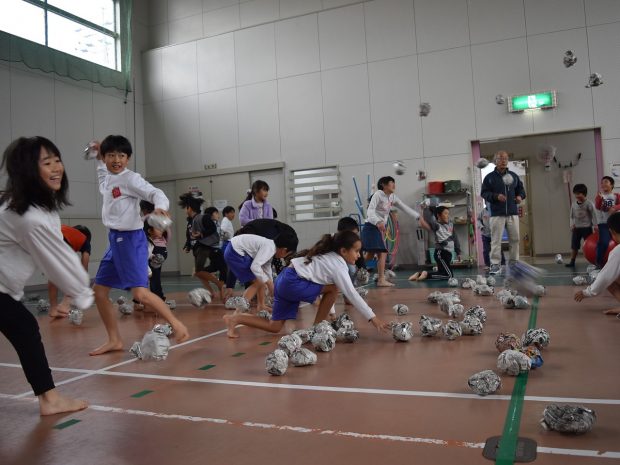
point(503, 190)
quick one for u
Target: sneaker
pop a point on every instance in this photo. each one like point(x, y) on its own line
point(495, 269)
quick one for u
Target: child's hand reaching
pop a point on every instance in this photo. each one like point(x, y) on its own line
point(379, 324)
point(579, 296)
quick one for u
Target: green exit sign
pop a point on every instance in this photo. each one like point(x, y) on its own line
point(533, 101)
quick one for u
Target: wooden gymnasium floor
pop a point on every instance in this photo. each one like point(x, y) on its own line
point(375, 401)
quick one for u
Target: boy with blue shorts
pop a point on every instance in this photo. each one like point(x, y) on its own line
point(125, 262)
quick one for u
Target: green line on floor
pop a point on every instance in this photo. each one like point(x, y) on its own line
point(206, 367)
point(506, 454)
point(141, 393)
point(238, 354)
point(66, 424)
point(264, 343)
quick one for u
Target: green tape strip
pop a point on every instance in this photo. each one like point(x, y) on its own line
point(141, 393)
point(508, 443)
point(265, 343)
point(238, 354)
point(206, 367)
point(66, 424)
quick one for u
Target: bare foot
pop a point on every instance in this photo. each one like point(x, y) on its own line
point(230, 324)
point(51, 403)
point(612, 311)
point(423, 276)
point(180, 332)
point(107, 347)
point(384, 283)
point(414, 276)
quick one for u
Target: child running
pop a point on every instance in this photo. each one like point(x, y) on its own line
point(582, 219)
point(323, 271)
point(30, 240)
point(125, 262)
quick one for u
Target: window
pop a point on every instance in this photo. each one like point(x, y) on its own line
point(87, 29)
point(315, 193)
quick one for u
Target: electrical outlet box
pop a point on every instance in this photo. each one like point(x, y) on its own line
point(211, 166)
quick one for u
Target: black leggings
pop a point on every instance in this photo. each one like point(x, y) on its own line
point(443, 258)
point(22, 330)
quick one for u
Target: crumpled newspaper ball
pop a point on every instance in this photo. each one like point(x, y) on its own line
point(430, 326)
point(154, 346)
point(468, 283)
point(508, 179)
point(483, 289)
point(590, 268)
point(324, 341)
point(347, 335)
point(491, 281)
point(402, 331)
point(507, 341)
point(452, 330)
point(594, 80)
point(504, 293)
point(483, 162)
point(172, 304)
point(434, 297)
point(481, 279)
point(161, 222)
point(276, 362)
point(303, 357)
point(304, 334)
point(513, 362)
point(163, 328)
point(199, 297)
point(455, 310)
point(521, 302)
point(534, 354)
point(289, 343)
point(478, 312)
point(500, 100)
point(453, 282)
point(76, 316)
point(121, 300)
point(156, 260)
point(361, 276)
point(389, 274)
point(238, 302)
point(569, 58)
point(592, 275)
point(264, 314)
point(580, 280)
point(536, 336)
point(425, 109)
point(343, 321)
point(446, 300)
point(484, 382)
point(559, 259)
point(539, 290)
point(362, 291)
point(324, 327)
point(125, 309)
point(43, 306)
point(399, 167)
point(573, 419)
point(471, 326)
point(400, 309)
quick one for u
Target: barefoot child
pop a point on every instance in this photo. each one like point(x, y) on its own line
point(609, 276)
point(323, 271)
point(30, 240)
point(125, 262)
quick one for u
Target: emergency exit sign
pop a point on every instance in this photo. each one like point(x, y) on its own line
point(533, 101)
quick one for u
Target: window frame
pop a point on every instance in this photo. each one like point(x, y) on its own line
point(302, 173)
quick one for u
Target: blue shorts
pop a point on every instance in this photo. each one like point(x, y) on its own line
point(290, 289)
point(372, 239)
point(125, 263)
point(239, 264)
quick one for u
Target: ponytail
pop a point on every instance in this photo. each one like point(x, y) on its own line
point(328, 243)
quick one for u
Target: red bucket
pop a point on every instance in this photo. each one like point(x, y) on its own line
point(435, 187)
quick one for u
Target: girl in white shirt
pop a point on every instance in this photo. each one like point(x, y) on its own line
point(30, 239)
point(323, 271)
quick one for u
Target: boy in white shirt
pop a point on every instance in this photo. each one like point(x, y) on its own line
point(226, 227)
point(125, 262)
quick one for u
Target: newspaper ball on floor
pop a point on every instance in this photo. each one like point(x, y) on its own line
point(478, 312)
point(125, 309)
point(430, 326)
point(580, 280)
point(592, 275)
point(483, 289)
point(304, 334)
point(161, 222)
point(361, 276)
point(289, 343)
point(390, 274)
point(199, 297)
point(558, 259)
point(172, 304)
point(264, 314)
point(303, 357)
point(276, 362)
point(43, 306)
point(534, 354)
point(400, 309)
point(347, 335)
point(491, 281)
point(453, 282)
point(481, 279)
point(536, 336)
point(590, 268)
point(399, 167)
point(452, 330)
point(468, 283)
point(569, 58)
point(76, 316)
point(594, 80)
point(343, 321)
point(121, 300)
point(455, 310)
point(484, 382)
point(507, 341)
point(163, 328)
point(362, 291)
point(504, 293)
point(434, 296)
point(482, 163)
point(402, 332)
point(154, 346)
point(523, 277)
point(521, 302)
point(471, 326)
point(425, 109)
point(573, 419)
point(540, 290)
point(513, 362)
point(323, 341)
point(238, 303)
point(324, 327)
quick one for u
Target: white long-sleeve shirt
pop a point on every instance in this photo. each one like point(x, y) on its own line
point(33, 241)
point(381, 204)
point(227, 228)
point(331, 268)
point(609, 273)
point(260, 249)
point(121, 198)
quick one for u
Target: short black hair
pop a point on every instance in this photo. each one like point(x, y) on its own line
point(440, 210)
point(209, 211)
point(347, 224)
point(84, 230)
point(382, 182)
point(25, 187)
point(228, 210)
point(191, 201)
point(613, 222)
point(287, 240)
point(146, 207)
point(610, 179)
point(580, 189)
point(115, 144)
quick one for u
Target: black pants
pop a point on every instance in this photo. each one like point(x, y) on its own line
point(22, 330)
point(155, 280)
point(443, 258)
